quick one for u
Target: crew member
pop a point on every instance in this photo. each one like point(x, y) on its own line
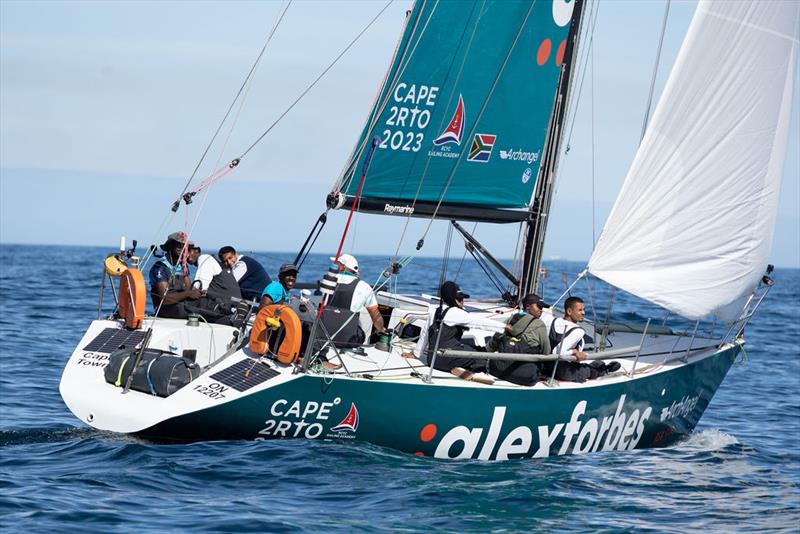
point(568, 340)
point(524, 333)
point(218, 283)
point(169, 283)
point(278, 292)
point(445, 328)
point(207, 267)
point(352, 295)
point(251, 275)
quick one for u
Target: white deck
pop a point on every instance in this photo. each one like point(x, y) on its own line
point(104, 406)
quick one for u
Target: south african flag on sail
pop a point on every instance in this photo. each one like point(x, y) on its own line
point(482, 146)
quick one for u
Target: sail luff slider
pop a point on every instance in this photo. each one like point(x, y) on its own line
point(693, 223)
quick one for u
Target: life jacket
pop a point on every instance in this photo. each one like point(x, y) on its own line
point(217, 303)
point(339, 321)
point(449, 337)
point(223, 286)
point(176, 280)
point(555, 337)
point(254, 280)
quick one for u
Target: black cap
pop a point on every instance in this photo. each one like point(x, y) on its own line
point(287, 268)
point(461, 295)
point(533, 298)
point(450, 293)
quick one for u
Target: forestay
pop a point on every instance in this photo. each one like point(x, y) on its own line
point(692, 226)
point(464, 111)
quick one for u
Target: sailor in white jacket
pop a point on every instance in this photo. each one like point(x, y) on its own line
point(566, 332)
point(567, 339)
point(452, 320)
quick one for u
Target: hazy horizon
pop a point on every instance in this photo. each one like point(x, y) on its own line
point(103, 119)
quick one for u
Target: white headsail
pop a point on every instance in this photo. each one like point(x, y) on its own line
point(692, 227)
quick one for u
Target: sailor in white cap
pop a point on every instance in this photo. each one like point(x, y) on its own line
point(355, 294)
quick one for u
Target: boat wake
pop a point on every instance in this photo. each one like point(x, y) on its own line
point(45, 435)
point(708, 441)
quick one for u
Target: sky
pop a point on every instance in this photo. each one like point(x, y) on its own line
point(106, 108)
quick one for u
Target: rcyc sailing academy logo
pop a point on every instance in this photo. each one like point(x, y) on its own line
point(448, 143)
point(482, 146)
point(350, 422)
point(455, 129)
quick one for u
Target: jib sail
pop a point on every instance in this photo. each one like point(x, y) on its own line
point(692, 226)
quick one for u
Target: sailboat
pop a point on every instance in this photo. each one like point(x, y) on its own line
point(468, 126)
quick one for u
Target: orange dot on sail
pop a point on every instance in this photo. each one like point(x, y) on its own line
point(544, 52)
point(428, 432)
point(560, 52)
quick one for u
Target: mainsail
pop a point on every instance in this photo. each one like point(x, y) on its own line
point(464, 112)
point(692, 226)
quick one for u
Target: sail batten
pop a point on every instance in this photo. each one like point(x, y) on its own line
point(692, 226)
point(464, 112)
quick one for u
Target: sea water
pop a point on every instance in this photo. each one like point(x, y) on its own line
point(739, 471)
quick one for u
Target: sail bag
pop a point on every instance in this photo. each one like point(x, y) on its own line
point(157, 372)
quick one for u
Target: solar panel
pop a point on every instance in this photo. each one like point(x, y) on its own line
point(243, 375)
point(111, 339)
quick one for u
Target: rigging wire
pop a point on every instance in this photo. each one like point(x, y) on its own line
point(235, 99)
point(524, 228)
point(444, 117)
point(477, 120)
point(491, 275)
point(246, 84)
point(224, 146)
point(377, 107)
point(655, 71)
point(221, 172)
point(594, 196)
point(446, 257)
point(317, 79)
point(516, 263)
point(590, 35)
point(535, 238)
point(458, 271)
point(404, 62)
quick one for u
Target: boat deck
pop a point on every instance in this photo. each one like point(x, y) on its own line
point(660, 352)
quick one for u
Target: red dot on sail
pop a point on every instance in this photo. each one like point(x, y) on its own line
point(419, 454)
point(428, 432)
point(544, 52)
point(560, 52)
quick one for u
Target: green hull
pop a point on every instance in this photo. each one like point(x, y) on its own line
point(489, 423)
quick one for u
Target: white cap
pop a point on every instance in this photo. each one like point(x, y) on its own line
point(348, 261)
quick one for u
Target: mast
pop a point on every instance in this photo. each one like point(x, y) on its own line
point(536, 225)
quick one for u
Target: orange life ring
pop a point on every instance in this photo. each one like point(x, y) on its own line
point(132, 298)
point(289, 349)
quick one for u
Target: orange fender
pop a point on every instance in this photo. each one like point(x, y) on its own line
point(289, 349)
point(132, 298)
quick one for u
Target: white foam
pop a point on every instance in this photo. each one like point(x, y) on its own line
point(709, 440)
